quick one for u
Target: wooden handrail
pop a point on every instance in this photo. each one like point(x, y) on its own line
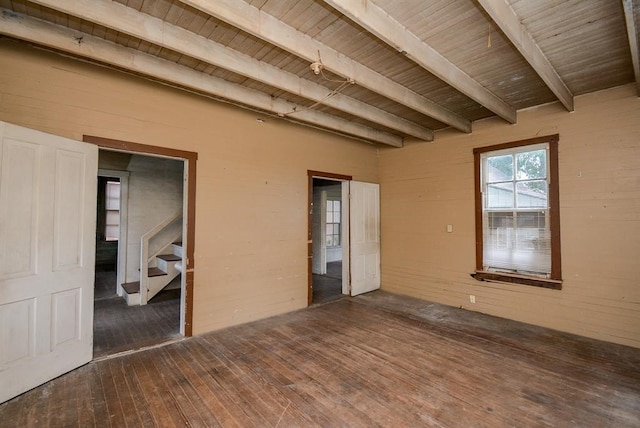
point(144, 253)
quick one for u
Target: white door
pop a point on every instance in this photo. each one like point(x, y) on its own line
point(47, 251)
point(365, 237)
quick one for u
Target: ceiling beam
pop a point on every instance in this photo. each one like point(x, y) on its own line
point(129, 21)
point(266, 27)
point(632, 32)
point(505, 17)
point(93, 48)
point(396, 35)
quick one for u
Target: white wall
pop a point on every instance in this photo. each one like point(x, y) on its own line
point(155, 193)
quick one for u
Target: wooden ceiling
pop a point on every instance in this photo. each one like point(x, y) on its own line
point(389, 70)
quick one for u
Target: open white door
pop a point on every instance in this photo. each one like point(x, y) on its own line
point(365, 237)
point(47, 251)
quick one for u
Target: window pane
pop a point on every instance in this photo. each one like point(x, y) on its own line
point(112, 233)
point(532, 194)
point(336, 206)
point(112, 191)
point(336, 240)
point(500, 195)
point(336, 216)
point(531, 165)
point(329, 239)
point(113, 218)
point(329, 217)
point(517, 241)
point(329, 229)
point(499, 168)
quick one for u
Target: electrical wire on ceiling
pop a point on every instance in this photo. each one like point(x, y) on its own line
point(318, 69)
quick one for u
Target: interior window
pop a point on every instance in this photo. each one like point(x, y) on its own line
point(334, 211)
point(517, 218)
point(112, 211)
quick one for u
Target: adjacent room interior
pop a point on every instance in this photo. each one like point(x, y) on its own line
point(319, 212)
point(131, 185)
point(327, 236)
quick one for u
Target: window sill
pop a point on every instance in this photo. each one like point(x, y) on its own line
point(553, 284)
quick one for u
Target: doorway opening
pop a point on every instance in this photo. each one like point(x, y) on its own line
point(328, 237)
point(140, 189)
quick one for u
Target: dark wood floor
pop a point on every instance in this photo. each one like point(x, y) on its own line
point(328, 287)
point(118, 327)
point(372, 360)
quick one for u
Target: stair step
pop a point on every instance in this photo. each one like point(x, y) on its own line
point(169, 257)
point(132, 287)
point(155, 272)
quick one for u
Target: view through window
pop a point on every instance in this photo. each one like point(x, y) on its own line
point(516, 206)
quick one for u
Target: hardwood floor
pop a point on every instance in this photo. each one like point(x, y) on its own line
point(328, 287)
point(118, 327)
point(372, 360)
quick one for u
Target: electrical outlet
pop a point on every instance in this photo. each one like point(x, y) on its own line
point(472, 298)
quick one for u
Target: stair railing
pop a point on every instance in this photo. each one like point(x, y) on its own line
point(145, 258)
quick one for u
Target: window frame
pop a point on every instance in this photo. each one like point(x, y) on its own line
point(108, 209)
point(555, 279)
point(339, 224)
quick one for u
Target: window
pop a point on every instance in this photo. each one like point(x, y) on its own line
point(112, 210)
point(334, 211)
point(517, 213)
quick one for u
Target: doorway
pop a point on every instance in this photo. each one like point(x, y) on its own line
point(147, 189)
point(328, 237)
point(143, 171)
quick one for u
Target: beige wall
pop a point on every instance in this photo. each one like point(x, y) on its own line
point(251, 221)
point(251, 215)
point(426, 186)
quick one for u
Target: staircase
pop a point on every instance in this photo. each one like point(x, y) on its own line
point(168, 267)
point(162, 266)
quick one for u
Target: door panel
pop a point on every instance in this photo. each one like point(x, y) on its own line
point(47, 229)
point(365, 237)
point(18, 246)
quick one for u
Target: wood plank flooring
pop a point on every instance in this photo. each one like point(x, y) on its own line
point(328, 287)
point(373, 360)
point(118, 327)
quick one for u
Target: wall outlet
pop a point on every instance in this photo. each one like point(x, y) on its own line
point(449, 228)
point(472, 298)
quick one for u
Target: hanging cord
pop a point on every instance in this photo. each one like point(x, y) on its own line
point(344, 84)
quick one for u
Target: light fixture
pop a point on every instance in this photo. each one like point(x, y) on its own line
point(316, 67)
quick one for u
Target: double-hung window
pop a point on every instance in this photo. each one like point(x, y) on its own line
point(334, 211)
point(517, 216)
point(112, 211)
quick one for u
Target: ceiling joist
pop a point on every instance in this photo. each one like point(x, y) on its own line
point(266, 27)
point(130, 21)
point(66, 40)
point(396, 35)
point(632, 32)
point(504, 16)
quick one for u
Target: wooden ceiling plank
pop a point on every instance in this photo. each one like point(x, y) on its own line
point(396, 35)
point(632, 32)
point(268, 28)
point(154, 30)
point(505, 17)
point(64, 39)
